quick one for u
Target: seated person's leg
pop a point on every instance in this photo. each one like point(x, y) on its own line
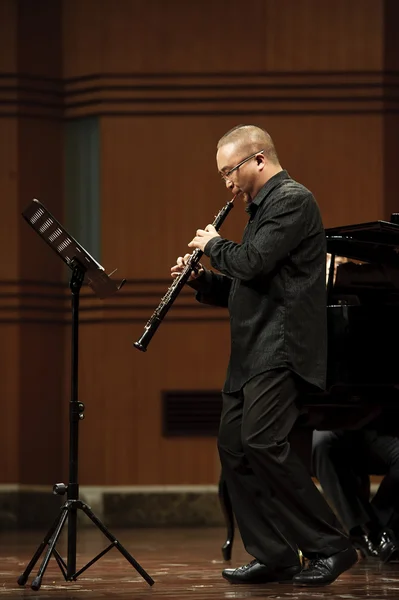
point(334, 457)
point(384, 460)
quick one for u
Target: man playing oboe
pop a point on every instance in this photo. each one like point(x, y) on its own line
point(273, 283)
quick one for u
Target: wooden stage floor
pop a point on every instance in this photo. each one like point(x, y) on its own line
point(185, 564)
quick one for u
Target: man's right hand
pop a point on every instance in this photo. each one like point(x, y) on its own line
point(181, 262)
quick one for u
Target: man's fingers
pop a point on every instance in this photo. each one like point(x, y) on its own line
point(181, 261)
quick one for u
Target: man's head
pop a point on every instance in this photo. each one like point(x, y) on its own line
point(246, 159)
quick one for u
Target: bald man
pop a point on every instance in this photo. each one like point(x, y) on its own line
point(273, 284)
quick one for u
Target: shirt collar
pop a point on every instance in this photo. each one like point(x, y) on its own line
point(265, 190)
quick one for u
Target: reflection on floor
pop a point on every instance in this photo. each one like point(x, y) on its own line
point(185, 563)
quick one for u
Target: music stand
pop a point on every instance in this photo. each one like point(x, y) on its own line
point(84, 267)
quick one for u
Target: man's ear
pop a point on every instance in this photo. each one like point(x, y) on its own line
point(260, 159)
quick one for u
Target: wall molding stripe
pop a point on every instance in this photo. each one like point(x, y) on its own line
point(201, 94)
point(114, 320)
point(36, 302)
point(101, 489)
point(201, 75)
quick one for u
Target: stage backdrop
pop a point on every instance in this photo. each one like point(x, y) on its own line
point(110, 114)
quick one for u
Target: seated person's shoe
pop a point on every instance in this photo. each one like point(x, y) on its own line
point(364, 545)
point(255, 572)
point(322, 571)
point(387, 547)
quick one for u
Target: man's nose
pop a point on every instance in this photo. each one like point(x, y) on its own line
point(229, 184)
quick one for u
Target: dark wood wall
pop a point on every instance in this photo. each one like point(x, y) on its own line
point(31, 159)
point(166, 80)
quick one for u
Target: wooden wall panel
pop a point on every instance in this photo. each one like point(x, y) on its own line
point(9, 199)
point(167, 79)
point(9, 347)
point(323, 35)
point(82, 36)
point(178, 36)
point(9, 393)
point(31, 159)
point(121, 441)
point(39, 38)
point(42, 396)
point(331, 155)
point(164, 195)
point(8, 36)
point(159, 183)
point(40, 164)
point(164, 176)
point(391, 120)
point(155, 217)
point(391, 174)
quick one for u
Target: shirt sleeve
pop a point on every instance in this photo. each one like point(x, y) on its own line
point(280, 229)
point(212, 288)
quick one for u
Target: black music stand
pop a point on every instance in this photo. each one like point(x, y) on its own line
point(84, 267)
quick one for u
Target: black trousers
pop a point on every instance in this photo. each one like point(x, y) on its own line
point(277, 506)
point(342, 462)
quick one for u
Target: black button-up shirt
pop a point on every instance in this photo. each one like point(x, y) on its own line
point(274, 285)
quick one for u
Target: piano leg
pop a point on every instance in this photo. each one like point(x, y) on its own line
point(227, 509)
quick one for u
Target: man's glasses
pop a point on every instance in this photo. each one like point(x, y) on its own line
point(226, 175)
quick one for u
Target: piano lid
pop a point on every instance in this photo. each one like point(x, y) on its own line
point(376, 241)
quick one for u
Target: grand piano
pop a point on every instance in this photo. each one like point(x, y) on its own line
point(363, 337)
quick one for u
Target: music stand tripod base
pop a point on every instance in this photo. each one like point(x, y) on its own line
point(84, 268)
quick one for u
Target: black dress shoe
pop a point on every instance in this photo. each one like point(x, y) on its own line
point(364, 545)
point(322, 571)
point(387, 547)
point(255, 572)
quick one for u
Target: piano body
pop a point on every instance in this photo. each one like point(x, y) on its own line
point(363, 343)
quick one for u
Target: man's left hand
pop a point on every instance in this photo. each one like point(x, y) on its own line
point(202, 237)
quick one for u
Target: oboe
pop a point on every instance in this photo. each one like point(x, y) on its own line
point(173, 291)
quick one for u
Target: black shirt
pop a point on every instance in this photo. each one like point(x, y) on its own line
point(274, 285)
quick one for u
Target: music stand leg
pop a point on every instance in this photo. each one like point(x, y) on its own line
point(24, 577)
point(70, 508)
point(71, 552)
point(87, 510)
point(37, 582)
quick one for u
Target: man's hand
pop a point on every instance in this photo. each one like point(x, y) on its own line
point(203, 236)
point(181, 262)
